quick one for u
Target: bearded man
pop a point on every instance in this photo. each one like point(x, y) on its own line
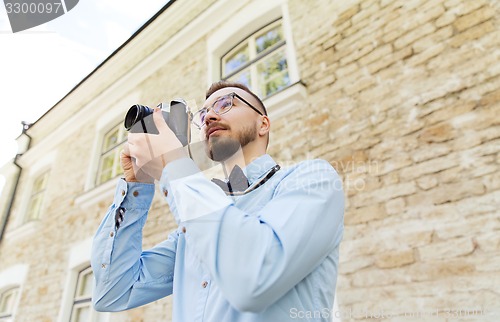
point(262, 245)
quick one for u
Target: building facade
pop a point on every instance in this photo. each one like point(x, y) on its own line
point(401, 97)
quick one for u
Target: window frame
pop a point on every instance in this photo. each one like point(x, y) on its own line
point(254, 57)
point(78, 262)
point(12, 277)
point(28, 217)
point(236, 20)
point(84, 300)
point(9, 314)
point(116, 148)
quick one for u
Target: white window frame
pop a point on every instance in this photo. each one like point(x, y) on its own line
point(44, 175)
point(110, 117)
point(6, 316)
point(254, 16)
point(34, 172)
point(10, 278)
point(22, 226)
point(79, 301)
point(121, 130)
point(254, 58)
point(78, 261)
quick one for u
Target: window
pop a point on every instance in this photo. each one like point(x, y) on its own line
point(260, 61)
point(36, 197)
point(109, 164)
point(76, 301)
point(8, 301)
point(82, 304)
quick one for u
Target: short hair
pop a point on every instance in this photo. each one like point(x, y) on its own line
point(224, 83)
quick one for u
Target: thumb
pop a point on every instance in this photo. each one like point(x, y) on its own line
point(160, 123)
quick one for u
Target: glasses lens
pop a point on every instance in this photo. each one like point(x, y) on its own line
point(220, 106)
point(223, 104)
point(199, 118)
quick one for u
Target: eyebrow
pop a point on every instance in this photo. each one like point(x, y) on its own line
point(212, 103)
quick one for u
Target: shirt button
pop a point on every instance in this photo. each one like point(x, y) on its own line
point(204, 284)
point(111, 234)
point(184, 230)
point(136, 193)
point(123, 192)
point(165, 192)
point(103, 265)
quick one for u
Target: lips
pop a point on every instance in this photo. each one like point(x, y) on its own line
point(213, 129)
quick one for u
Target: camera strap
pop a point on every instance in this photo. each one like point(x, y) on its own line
point(255, 185)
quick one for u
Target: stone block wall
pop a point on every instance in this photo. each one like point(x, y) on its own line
point(404, 98)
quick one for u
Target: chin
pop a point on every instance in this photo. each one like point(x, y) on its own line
point(221, 148)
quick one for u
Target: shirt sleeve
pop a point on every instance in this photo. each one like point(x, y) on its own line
point(255, 260)
point(125, 275)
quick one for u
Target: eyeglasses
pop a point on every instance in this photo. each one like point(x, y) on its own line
point(221, 106)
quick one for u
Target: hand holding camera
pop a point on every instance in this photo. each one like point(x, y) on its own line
point(155, 138)
point(139, 119)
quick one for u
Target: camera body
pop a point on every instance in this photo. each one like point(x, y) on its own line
point(139, 119)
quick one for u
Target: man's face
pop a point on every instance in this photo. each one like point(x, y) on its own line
point(227, 133)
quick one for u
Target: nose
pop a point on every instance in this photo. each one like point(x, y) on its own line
point(211, 116)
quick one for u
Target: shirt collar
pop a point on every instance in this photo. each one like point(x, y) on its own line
point(258, 168)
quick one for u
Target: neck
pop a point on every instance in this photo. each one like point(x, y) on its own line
point(242, 158)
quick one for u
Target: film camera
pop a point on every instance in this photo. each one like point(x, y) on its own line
point(139, 119)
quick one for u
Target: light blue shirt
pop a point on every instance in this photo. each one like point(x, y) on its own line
point(268, 256)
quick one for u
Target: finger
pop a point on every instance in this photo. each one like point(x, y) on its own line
point(140, 155)
point(126, 149)
point(160, 123)
point(134, 152)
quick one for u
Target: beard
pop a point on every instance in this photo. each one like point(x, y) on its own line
point(221, 148)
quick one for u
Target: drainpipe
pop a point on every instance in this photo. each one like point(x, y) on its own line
point(5, 218)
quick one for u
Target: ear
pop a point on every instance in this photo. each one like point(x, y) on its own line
point(265, 125)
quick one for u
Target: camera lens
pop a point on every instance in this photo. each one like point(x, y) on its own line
point(135, 114)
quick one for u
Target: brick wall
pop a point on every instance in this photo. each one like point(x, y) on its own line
point(404, 99)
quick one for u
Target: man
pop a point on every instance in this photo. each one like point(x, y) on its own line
point(267, 253)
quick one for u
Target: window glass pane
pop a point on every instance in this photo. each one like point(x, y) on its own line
point(105, 176)
point(34, 207)
point(122, 134)
point(110, 140)
point(273, 73)
point(118, 166)
point(107, 163)
point(111, 147)
point(7, 301)
point(35, 203)
point(242, 77)
point(268, 38)
point(264, 55)
point(81, 314)
point(86, 282)
point(235, 59)
point(40, 183)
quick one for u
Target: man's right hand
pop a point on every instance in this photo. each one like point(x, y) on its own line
point(131, 171)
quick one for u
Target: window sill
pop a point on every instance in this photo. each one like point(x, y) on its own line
point(24, 230)
point(100, 193)
point(285, 101)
